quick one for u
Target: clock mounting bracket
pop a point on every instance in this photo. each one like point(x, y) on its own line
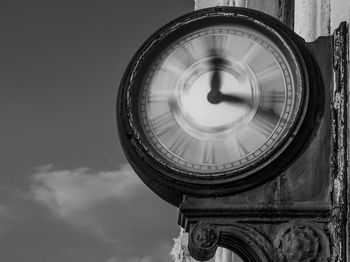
point(307, 205)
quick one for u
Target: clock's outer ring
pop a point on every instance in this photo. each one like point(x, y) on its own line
point(170, 183)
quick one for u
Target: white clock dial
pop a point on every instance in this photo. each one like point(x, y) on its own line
point(218, 99)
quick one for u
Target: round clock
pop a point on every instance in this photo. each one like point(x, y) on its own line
point(215, 102)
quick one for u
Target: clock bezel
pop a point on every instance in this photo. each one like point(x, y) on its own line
point(162, 176)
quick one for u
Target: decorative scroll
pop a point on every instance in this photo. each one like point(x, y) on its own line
point(244, 240)
point(203, 241)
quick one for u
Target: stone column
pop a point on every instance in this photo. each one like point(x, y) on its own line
point(236, 258)
point(322, 18)
point(226, 255)
point(312, 18)
point(281, 9)
point(319, 18)
point(218, 254)
point(340, 11)
point(199, 4)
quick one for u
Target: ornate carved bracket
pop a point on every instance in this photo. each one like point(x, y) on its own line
point(286, 242)
point(244, 240)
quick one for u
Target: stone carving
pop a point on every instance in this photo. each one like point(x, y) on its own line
point(298, 243)
point(203, 241)
point(204, 237)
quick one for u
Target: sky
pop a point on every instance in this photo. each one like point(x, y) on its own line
point(67, 193)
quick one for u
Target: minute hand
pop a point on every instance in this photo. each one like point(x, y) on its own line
point(268, 113)
point(235, 99)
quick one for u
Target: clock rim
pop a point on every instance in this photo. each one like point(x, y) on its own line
point(179, 181)
point(240, 170)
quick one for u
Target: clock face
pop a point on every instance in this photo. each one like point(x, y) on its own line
point(218, 99)
point(216, 102)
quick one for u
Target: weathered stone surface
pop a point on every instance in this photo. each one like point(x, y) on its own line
point(298, 243)
point(282, 9)
point(199, 4)
point(314, 188)
point(204, 237)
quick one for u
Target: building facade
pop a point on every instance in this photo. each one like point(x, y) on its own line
point(309, 19)
point(180, 252)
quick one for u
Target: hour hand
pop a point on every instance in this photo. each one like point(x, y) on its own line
point(215, 81)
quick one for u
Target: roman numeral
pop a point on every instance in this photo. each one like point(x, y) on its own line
point(251, 53)
point(180, 144)
point(269, 73)
point(234, 148)
point(241, 150)
point(157, 97)
point(208, 153)
point(191, 52)
point(273, 97)
point(164, 123)
point(263, 122)
point(174, 67)
point(220, 42)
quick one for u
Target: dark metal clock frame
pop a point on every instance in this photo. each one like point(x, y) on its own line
point(169, 182)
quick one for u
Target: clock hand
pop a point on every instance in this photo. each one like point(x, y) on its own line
point(215, 81)
point(216, 97)
point(234, 99)
point(217, 64)
point(266, 112)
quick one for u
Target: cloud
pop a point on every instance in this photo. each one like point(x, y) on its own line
point(161, 252)
point(132, 259)
point(69, 191)
point(113, 205)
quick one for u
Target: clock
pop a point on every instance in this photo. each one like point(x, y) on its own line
point(216, 102)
